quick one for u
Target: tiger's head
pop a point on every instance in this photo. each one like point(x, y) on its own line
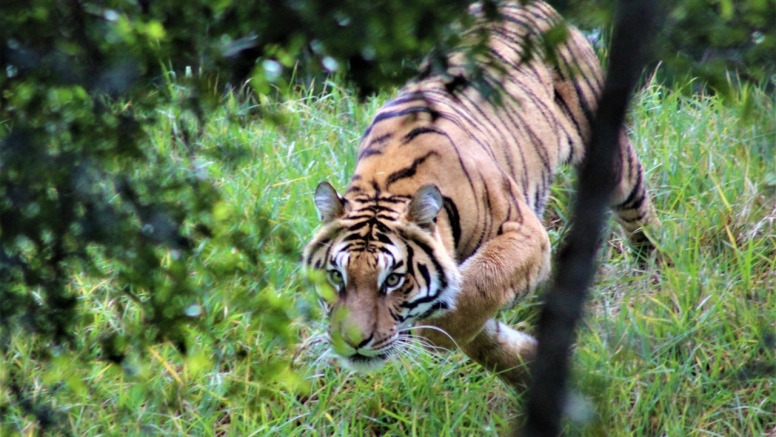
point(388, 264)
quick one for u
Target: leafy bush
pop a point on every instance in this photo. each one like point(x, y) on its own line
point(701, 42)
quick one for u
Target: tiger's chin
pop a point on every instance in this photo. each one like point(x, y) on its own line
point(364, 364)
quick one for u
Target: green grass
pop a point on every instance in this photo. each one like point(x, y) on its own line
point(683, 347)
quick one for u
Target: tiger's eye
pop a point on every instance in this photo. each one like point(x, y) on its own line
point(393, 280)
point(335, 277)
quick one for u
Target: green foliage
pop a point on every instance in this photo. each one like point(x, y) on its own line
point(711, 37)
point(95, 205)
point(703, 43)
point(115, 260)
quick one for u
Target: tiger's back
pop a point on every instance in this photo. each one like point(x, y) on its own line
point(490, 167)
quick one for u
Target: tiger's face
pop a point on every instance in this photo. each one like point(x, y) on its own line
point(386, 262)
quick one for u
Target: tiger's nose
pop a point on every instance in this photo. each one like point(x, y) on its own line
point(357, 342)
point(347, 340)
point(346, 333)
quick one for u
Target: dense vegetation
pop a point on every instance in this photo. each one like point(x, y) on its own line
point(683, 347)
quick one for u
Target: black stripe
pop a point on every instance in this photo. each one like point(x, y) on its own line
point(454, 219)
point(407, 172)
point(430, 253)
point(420, 131)
point(358, 216)
point(380, 140)
point(637, 189)
point(410, 259)
point(439, 306)
point(366, 153)
point(353, 189)
point(414, 96)
point(384, 250)
point(383, 238)
point(465, 120)
point(373, 209)
point(400, 113)
point(425, 274)
point(351, 245)
point(638, 219)
point(353, 228)
point(375, 147)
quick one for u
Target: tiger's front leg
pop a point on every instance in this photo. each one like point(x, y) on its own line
point(507, 266)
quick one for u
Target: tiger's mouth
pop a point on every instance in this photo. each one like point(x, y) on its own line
point(363, 363)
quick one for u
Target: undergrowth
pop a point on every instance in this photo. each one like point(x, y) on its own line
point(684, 346)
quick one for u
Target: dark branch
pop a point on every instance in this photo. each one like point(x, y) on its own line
point(574, 271)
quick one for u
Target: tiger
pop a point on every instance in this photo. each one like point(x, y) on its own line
point(440, 226)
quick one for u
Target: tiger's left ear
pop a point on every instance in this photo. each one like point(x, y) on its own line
point(425, 205)
point(330, 205)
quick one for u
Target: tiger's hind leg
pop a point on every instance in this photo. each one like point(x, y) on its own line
point(630, 201)
point(578, 82)
point(506, 266)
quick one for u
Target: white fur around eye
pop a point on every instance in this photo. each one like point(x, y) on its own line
point(390, 278)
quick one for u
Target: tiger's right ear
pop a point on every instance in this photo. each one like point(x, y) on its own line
point(330, 205)
point(425, 205)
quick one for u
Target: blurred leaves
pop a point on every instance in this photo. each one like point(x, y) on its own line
point(704, 43)
point(710, 37)
point(85, 192)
